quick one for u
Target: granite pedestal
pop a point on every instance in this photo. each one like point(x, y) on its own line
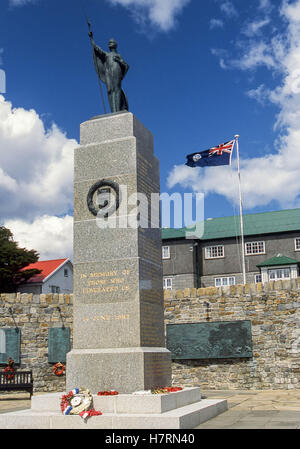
point(118, 340)
point(181, 410)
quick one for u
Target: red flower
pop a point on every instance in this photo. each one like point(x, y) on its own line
point(173, 389)
point(9, 369)
point(107, 393)
point(93, 412)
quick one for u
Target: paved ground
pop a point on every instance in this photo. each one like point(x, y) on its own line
point(272, 409)
point(248, 409)
point(12, 402)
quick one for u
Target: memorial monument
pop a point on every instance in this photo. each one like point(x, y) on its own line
point(118, 336)
point(118, 325)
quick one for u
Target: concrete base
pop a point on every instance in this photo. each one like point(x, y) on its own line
point(108, 369)
point(180, 410)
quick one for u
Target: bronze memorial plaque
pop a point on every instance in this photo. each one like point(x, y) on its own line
point(218, 340)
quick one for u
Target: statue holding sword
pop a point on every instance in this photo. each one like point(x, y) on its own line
point(111, 70)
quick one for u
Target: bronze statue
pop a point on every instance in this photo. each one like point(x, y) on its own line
point(111, 70)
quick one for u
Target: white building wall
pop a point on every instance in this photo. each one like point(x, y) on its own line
point(58, 279)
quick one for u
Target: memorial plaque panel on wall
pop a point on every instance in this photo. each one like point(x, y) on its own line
point(10, 344)
point(216, 340)
point(58, 344)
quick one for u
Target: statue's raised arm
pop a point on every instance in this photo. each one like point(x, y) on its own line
point(101, 53)
point(111, 69)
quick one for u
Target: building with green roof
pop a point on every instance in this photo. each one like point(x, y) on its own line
point(214, 259)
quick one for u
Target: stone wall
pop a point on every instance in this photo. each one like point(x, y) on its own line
point(273, 308)
point(274, 311)
point(34, 315)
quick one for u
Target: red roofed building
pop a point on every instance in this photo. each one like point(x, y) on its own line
point(56, 277)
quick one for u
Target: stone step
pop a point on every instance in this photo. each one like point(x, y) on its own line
point(187, 417)
point(126, 403)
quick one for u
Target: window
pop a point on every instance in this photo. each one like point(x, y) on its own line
point(279, 273)
point(66, 273)
point(168, 282)
point(214, 252)
point(166, 252)
point(258, 278)
point(54, 289)
point(224, 281)
point(253, 248)
point(297, 244)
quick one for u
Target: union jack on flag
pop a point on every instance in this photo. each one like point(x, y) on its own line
point(215, 156)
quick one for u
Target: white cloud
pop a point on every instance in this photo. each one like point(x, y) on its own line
point(20, 2)
point(261, 94)
point(36, 182)
point(274, 176)
point(253, 28)
point(36, 165)
point(52, 237)
point(258, 54)
point(161, 14)
point(7, 182)
point(265, 5)
point(215, 23)
point(229, 9)
point(222, 55)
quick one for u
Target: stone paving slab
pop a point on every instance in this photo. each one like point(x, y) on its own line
point(12, 402)
point(270, 409)
point(186, 417)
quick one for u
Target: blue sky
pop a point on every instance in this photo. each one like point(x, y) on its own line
point(200, 72)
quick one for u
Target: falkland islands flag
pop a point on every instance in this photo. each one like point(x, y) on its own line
point(215, 156)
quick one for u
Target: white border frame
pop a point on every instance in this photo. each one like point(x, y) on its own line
point(255, 254)
point(217, 257)
point(162, 252)
point(297, 238)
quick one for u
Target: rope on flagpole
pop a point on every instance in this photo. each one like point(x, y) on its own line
point(241, 209)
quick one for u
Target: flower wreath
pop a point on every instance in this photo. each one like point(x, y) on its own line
point(78, 402)
point(162, 390)
point(107, 393)
point(10, 369)
point(59, 368)
point(166, 390)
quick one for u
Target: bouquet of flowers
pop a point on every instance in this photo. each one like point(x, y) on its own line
point(78, 402)
point(9, 369)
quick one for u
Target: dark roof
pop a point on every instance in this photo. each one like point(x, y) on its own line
point(278, 260)
point(254, 224)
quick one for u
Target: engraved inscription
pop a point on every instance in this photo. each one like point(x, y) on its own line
point(105, 282)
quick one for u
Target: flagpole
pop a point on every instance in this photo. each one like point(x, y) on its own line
point(96, 67)
point(241, 208)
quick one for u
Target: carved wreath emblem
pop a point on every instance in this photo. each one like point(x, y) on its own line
point(103, 186)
